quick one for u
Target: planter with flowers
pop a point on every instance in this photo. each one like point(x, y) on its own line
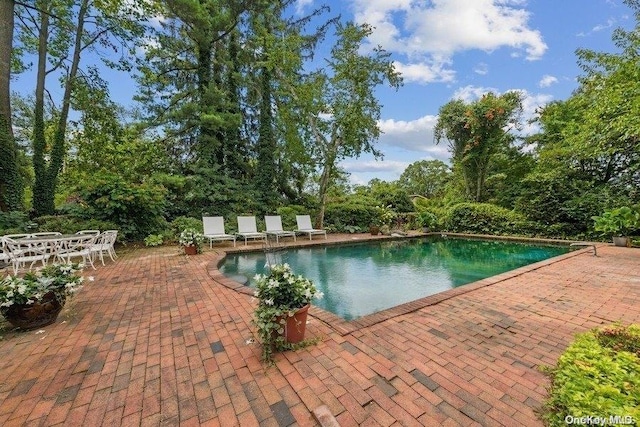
point(192, 240)
point(283, 302)
point(35, 299)
point(382, 220)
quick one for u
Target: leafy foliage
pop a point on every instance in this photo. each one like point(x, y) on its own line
point(280, 294)
point(597, 376)
point(137, 209)
point(482, 218)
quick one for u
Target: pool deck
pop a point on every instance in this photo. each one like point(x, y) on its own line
point(160, 338)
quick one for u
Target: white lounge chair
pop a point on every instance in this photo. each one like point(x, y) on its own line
point(274, 228)
point(305, 227)
point(248, 229)
point(214, 230)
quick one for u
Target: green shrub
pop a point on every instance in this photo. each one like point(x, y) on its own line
point(69, 224)
point(154, 240)
point(482, 218)
point(13, 222)
point(598, 375)
point(340, 215)
point(137, 209)
point(185, 222)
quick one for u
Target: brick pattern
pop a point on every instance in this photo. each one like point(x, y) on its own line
point(158, 339)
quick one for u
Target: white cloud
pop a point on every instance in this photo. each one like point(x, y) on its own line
point(481, 68)
point(440, 28)
point(301, 5)
point(424, 73)
point(393, 166)
point(600, 27)
point(547, 81)
point(415, 135)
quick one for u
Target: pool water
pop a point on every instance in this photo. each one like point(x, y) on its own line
point(361, 279)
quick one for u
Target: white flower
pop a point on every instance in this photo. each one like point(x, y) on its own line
point(319, 295)
point(269, 301)
point(91, 278)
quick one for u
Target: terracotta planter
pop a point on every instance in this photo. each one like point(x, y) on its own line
point(190, 250)
point(296, 325)
point(374, 230)
point(30, 316)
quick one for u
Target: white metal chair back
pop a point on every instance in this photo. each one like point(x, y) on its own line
point(22, 253)
point(46, 234)
point(104, 243)
point(17, 236)
point(77, 247)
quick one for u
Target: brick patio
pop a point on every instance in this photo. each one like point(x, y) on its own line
point(155, 340)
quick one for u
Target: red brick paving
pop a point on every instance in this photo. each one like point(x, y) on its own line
point(154, 340)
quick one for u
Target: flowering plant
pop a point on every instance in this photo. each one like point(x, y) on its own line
point(384, 216)
point(61, 280)
point(191, 237)
point(280, 294)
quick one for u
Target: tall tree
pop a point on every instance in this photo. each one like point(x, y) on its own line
point(10, 180)
point(337, 107)
point(425, 178)
point(63, 30)
point(476, 132)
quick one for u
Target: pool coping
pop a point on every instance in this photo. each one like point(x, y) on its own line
point(345, 327)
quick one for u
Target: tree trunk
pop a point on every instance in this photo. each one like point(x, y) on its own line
point(47, 175)
point(10, 179)
point(325, 178)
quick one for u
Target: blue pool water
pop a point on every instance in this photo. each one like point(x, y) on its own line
point(360, 279)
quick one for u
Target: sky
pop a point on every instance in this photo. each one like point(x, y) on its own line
point(447, 49)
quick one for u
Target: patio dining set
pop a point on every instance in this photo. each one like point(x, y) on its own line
point(33, 250)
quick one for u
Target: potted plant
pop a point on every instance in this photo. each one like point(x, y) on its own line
point(382, 220)
point(283, 302)
point(35, 299)
point(619, 223)
point(192, 240)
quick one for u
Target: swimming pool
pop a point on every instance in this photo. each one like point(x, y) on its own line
point(364, 278)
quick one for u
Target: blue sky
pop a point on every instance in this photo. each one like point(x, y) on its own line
point(461, 49)
point(450, 49)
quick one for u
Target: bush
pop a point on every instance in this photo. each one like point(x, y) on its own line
point(154, 240)
point(341, 215)
point(14, 222)
point(69, 224)
point(185, 222)
point(137, 209)
point(597, 375)
point(482, 218)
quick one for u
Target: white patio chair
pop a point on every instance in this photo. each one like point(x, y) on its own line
point(4, 253)
point(248, 229)
point(305, 227)
point(30, 252)
point(213, 227)
point(274, 228)
point(104, 244)
point(77, 247)
point(113, 236)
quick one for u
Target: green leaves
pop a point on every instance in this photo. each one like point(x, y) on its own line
point(598, 375)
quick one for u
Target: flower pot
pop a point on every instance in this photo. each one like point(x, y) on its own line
point(296, 325)
point(620, 241)
point(29, 316)
point(374, 230)
point(190, 250)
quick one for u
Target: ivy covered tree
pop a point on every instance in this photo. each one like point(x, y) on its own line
point(10, 180)
point(476, 132)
